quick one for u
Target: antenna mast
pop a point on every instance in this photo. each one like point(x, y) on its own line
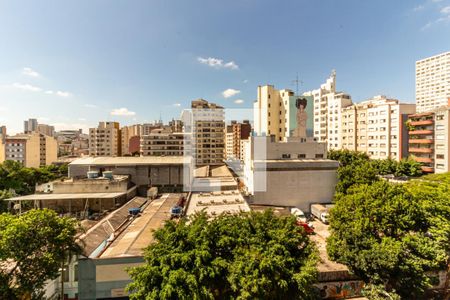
point(297, 81)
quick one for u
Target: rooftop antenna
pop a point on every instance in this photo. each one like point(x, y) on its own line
point(297, 81)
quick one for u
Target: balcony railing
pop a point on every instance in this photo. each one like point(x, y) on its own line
point(422, 122)
point(423, 159)
point(414, 132)
point(420, 150)
point(421, 141)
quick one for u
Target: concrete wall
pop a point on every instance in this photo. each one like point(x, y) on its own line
point(78, 205)
point(90, 186)
point(104, 278)
point(299, 188)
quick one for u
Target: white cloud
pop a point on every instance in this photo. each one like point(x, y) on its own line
point(446, 10)
point(30, 72)
point(218, 63)
point(49, 92)
point(63, 94)
point(90, 105)
point(26, 87)
point(122, 112)
point(245, 81)
point(177, 104)
point(230, 93)
point(238, 101)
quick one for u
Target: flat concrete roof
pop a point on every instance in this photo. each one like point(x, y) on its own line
point(131, 160)
point(306, 164)
point(51, 196)
point(216, 203)
point(139, 234)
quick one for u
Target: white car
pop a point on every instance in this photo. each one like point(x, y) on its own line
point(299, 214)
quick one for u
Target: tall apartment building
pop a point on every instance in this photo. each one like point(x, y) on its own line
point(105, 140)
point(46, 129)
point(236, 132)
point(205, 125)
point(30, 125)
point(2, 142)
point(32, 150)
point(429, 141)
point(130, 139)
point(148, 127)
point(377, 127)
point(162, 142)
point(328, 105)
point(433, 82)
point(279, 113)
point(176, 125)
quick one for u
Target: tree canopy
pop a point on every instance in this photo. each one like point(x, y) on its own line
point(15, 178)
point(33, 246)
point(252, 255)
point(393, 234)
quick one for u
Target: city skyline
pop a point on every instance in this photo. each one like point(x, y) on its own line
point(70, 68)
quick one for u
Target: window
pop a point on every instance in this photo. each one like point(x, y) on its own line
point(301, 155)
point(66, 273)
point(319, 155)
point(285, 156)
point(439, 156)
point(75, 273)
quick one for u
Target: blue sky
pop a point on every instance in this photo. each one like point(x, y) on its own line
point(73, 63)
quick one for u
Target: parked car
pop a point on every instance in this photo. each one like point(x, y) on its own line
point(299, 214)
point(308, 228)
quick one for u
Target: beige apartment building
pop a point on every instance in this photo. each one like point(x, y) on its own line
point(204, 126)
point(433, 82)
point(162, 142)
point(236, 132)
point(105, 140)
point(377, 127)
point(31, 150)
point(130, 139)
point(46, 129)
point(328, 105)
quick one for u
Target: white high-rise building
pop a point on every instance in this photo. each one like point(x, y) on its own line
point(433, 82)
point(328, 105)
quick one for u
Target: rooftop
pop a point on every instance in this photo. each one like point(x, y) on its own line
point(51, 196)
point(216, 203)
point(139, 234)
point(132, 160)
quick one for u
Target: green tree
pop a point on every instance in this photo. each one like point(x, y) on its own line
point(249, 256)
point(33, 246)
point(392, 235)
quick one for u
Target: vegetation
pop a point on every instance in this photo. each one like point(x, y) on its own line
point(393, 235)
point(33, 247)
point(16, 179)
point(250, 256)
point(357, 168)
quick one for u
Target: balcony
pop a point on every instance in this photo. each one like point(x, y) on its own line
point(426, 169)
point(414, 132)
point(423, 122)
point(420, 150)
point(420, 141)
point(423, 159)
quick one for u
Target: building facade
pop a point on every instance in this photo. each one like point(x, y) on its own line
point(328, 105)
point(46, 129)
point(377, 127)
point(204, 126)
point(429, 139)
point(162, 142)
point(31, 150)
point(105, 140)
point(129, 146)
point(433, 82)
point(30, 125)
point(236, 132)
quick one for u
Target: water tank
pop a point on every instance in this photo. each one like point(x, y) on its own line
point(108, 174)
point(92, 174)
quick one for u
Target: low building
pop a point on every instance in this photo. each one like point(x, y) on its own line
point(168, 173)
point(31, 150)
point(116, 244)
point(72, 143)
point(292, 173)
